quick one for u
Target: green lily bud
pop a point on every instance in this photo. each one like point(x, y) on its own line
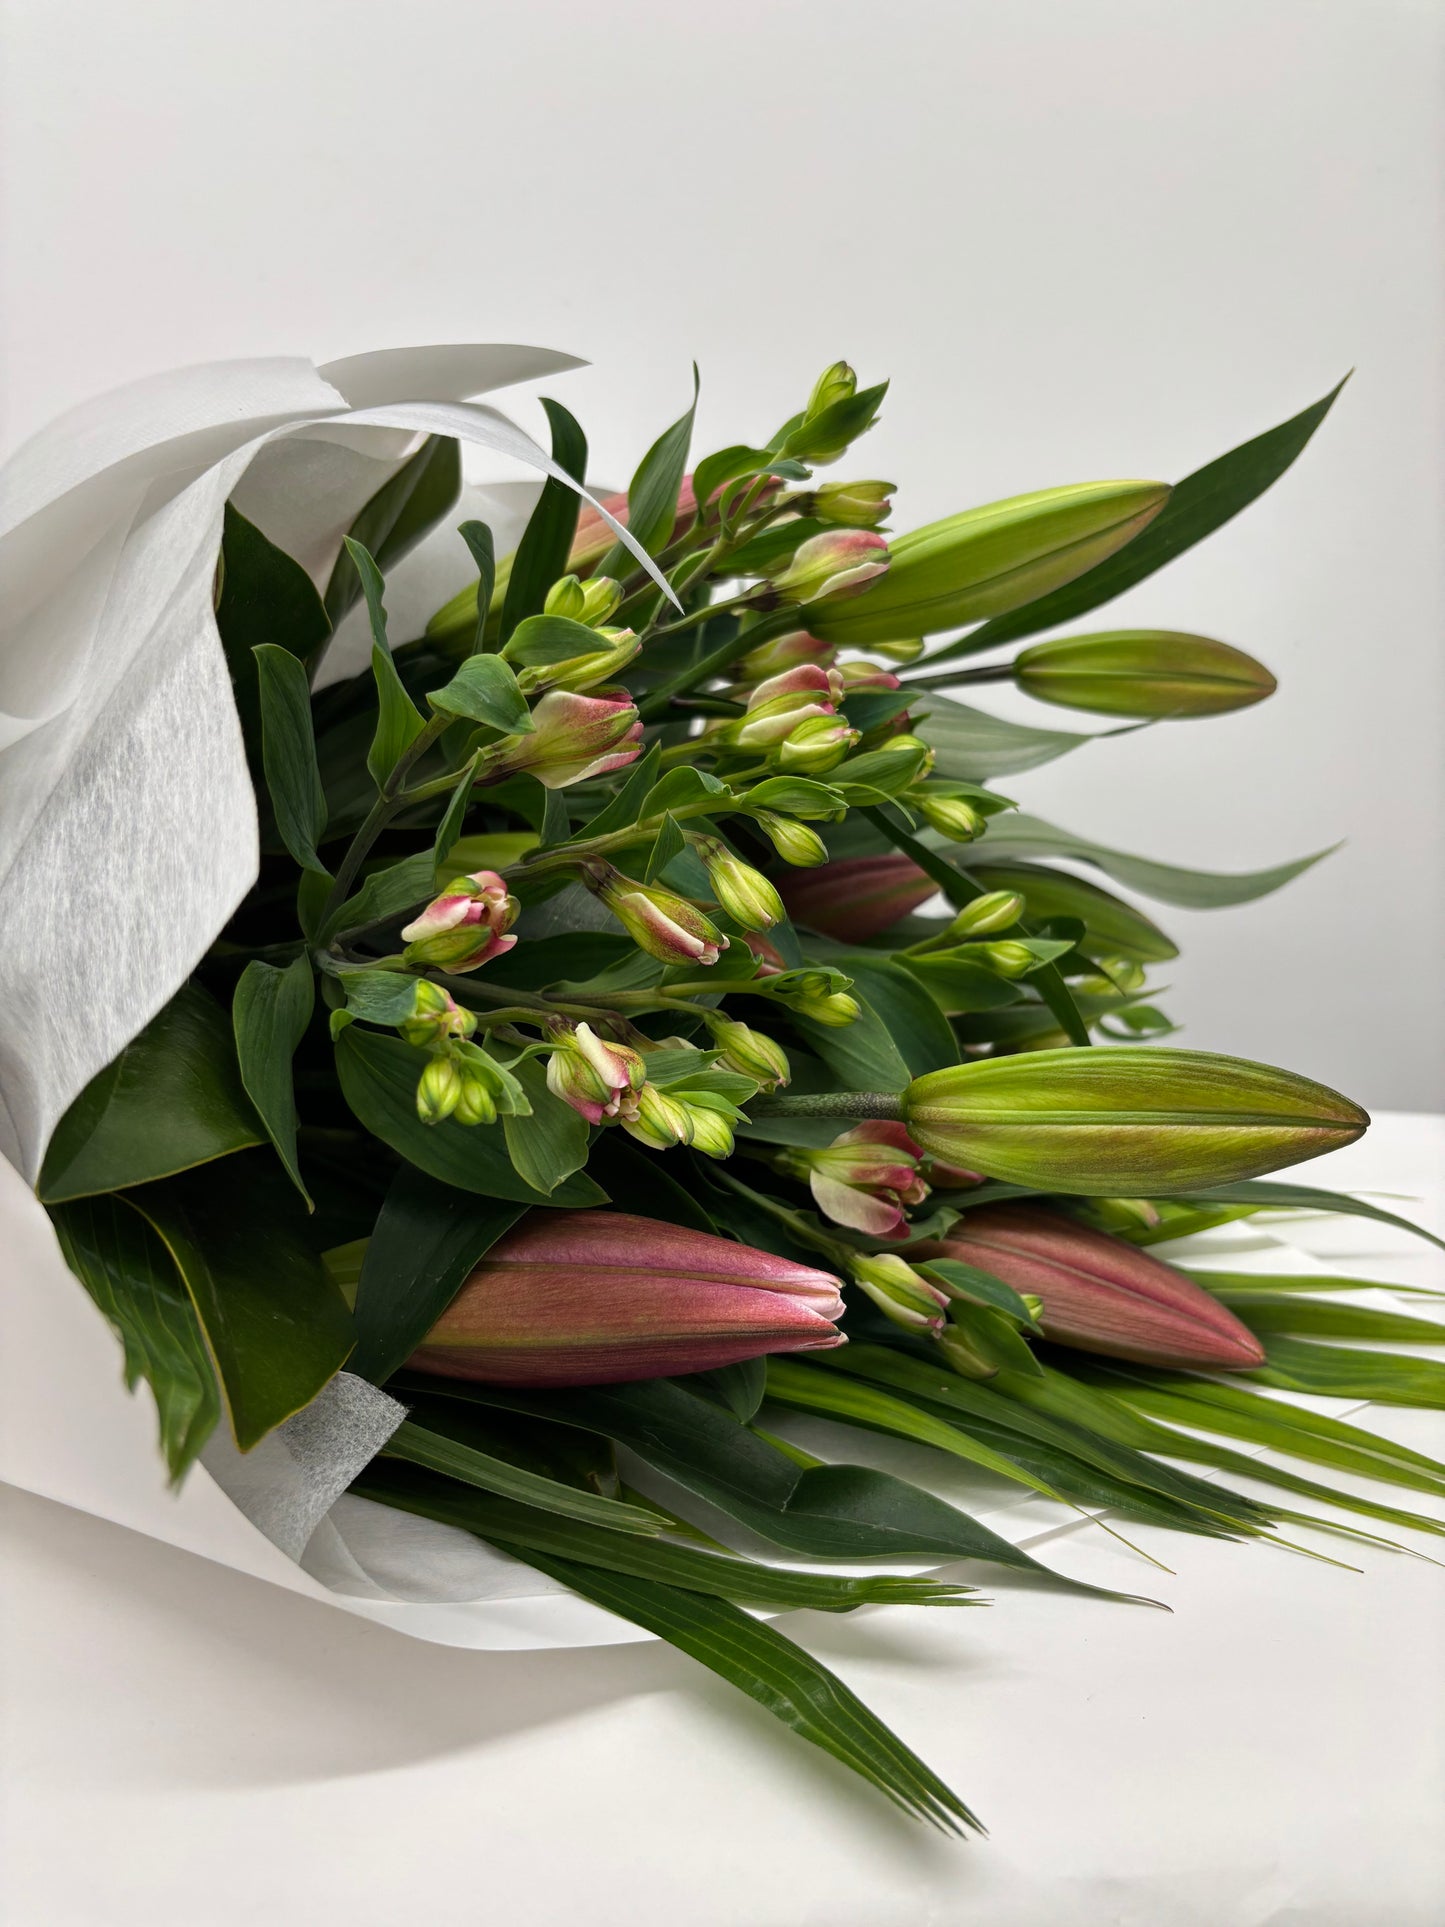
point(794, 842)
point(566, 598)
point(812, 994)
point(995, 910)
point(989, 560)
point(743, 892)
point(1125, 1120)
point(951, 816)
point(750, 1052)
point(856, 505)
point(1008, 959)
point(836, 383)
point(438, 1090)
point(1143, 672)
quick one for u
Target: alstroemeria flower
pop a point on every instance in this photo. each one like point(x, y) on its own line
point(665, 925)
point(572, 738)
point(863, 1179)
point(599, 1080)
point(465, 926)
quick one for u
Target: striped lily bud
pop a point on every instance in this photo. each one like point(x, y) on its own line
point(859, 675)
point(1143, 672)
point(900, 1293)
point(817, 994)
point(438, 1090)
point(951, 816)
point(436, 1015)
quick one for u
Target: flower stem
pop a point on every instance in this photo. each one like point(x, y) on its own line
point(887, 1104)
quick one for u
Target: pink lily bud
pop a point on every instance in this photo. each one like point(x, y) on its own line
point(665, 925)
point(784, 652)
point(900, 1293)
point(817, 745)
point(598, 1079)
point(866, 675)
point(1099, 1293)
point(465, 926)
point(856, 897)
point(594, 538)
point(823, 685)
point(863, 1179)
point(601, 1297)
point(836, 563)
point(572, 737)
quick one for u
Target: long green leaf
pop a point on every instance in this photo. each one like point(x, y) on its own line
point(266, 597)
point(269, 1013)
point(548, 1143)
point(1269, 1194)
point(396, 518)
point(460, 1460)
point(971, 746)
point(288, 754)
point(478, 538)
point(653, 492)
point(398, 720)
point(1300, 1318)
point(1338, 1371)
point(542, 553)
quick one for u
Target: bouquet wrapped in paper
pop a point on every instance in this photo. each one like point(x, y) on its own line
point(511, 997)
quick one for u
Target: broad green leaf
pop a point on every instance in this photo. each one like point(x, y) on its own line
point(653, 492)
point(396, 518)
point(1112, 927)
point(266, 598)
point(1201, 503)
point(288, 754)
point(670, 842)
point(973, 746)
point(549, 1144)
point(1247, 1286)
point(478, 538)
point(958, 985)
point(967, 1281)
point(1029, 836)
point(130, 1275)
point(538, 642)
point(542, 553)
point(1301, 1318)
point(378, 1080)
point(741, 1387)
point(398, 720)
point(556, 819)
point(456, 1459)
point(794, 796)
point(270, 1013)
point(429, 1237)
point(449, 830)
point(172, 1099)
point(862, 1055)
point(682, 785)
point(277, 1329)
point(741, 463)
point(484, 689)
point(384, 895)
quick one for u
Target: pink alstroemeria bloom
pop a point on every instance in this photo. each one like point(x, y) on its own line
point(810, 678)
point(601, 1297)
point(465, 926)
point(599, 1080)
point(839, 562)
point(665, 925)
point(572, 737)
point(865, 1178)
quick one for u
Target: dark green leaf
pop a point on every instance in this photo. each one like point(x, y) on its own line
point(288, 754)
point(972, 746)
point(1112, 927)
point(384, 895)
point(967, 1281)
point(1267, 1194)
point(549, 1144)
point(652, 495)
point(172, 1099)
point(1340, 1371)
point(556, 819)
point(542, 553)
point(478, 538)
point(450, 828)
point(626, 804)
point(266, 597)
point(269, 1014)
point(862, 1055)
point(398, 720)
point(456, 1458)
point(1302, 1318)
point(396, 518)
point(670, 842)
point(739, 1387)
point(484, 689)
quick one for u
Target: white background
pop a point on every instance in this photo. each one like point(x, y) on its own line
point(1085, 237)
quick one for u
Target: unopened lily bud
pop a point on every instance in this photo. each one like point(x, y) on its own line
point(784, 652)
point(855, 898)
point(1143, 672)
point(951, 816)
point(658, 1121)
point(750, 1052)
point(566, 598)
point(600, 1080)
point(989, 560)
point(856, 505)
point(435, 1015)
point(837, 383)
point(816, 746)
point(994, 910)
point(438, 1090)
point(1099, 1293)
point(861, 675)
point(1126, 1120)
point(1008, 959)
point(602, 1297)
point(573, 737)
point(900, 1293)
point(865, 1179)
point(665, 925)
point(743, 892)
point(837, 563)
point(465, 927)
point(794, 842)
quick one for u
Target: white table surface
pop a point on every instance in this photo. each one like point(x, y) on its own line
point(184, 1746)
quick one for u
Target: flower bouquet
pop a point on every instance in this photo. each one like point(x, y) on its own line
point(647, 1020)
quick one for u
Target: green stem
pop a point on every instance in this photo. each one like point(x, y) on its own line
point(945, 678)
point(714, 662)
point(381, 812)
point(885, 1104)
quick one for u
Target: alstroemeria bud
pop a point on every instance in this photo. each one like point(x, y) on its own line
point(899, 1293)
point(811, 994)
point(435, 1015)
point(750, 1052)
point(1143, 672)
point(565, 598)
point(989, 560)
point(784, 652)
point(856, 505)
point(465, 926)
point(820, 685)
point(601, 1298)
point(573, 737)
point(794, 842)
point(711, 1131)
point(614, 649)
point(962, 1355)
point(994, 910)
point(860, 675)
point(438, 1090)
point(856, 897)
point(863, 1179)
point(1099, 1293)
point(658, 1121)
point(835, 564)
point(904, 649)
point(766, 724)
point(816, 746)
point(600, 1080)
point(836, 383)
point(1126, 1119)
point(601, 597)
point(743, 892)
point(665, 925)
point(951, 816)
point(1008, 959)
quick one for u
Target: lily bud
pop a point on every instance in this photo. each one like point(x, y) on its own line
point(864, 1179)
point(743, 892)
point(784, 652)
point(951, 816)
point(1126, 1120)
point(465, 926)
point(900, 1293)
point(794, 842)
point(994, 910)
point(1143, 672)
point(438, 1090)
point(750, 1052)
point(435, 1015)
point(1111, 924)
point(658, 1121)
point(602, 1297)
point(1098, 1293)
point(857, 897)
point(992, 559)
point(665, 925)
point(816, 746)
point(837, 563)
point(856, 505)
point(600, 1080)
point(573, 737)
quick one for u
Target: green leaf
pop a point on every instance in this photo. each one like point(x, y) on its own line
point(478, 538)
point(1111, 927)
point(794, 796)
point(277, 1329)
point(548, 1145)
point(681, 786)
point(429, 1237)
point(484, 689)
point(556, 819)
point(1339, 1371)
point(972, 746)
point(542, 553)
point(958, 985)
point(288, 754)
point(967, 1281)
point(172, 1099)
point(457, 1459)
point(626, 805)
point(1201, 503)
point(398, 720)
point(670, 842)
point(538, 642)
point(1266, 1194)
point(378, 1080)
point(861, 1055)
point(449, 830)
point(380, 996)
point(1301, 1318)
point(396, 518)
point(741, 1388)
point(269, 1014)
point(266, 598)
point(653, 492)
point(1029, 836)
point(384, 895)
point(130, 1275)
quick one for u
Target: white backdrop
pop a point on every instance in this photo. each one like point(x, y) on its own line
point(1089, 239)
